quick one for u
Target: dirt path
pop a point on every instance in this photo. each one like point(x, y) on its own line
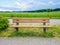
point(29, 41)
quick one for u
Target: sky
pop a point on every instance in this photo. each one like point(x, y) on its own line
point(25, 5)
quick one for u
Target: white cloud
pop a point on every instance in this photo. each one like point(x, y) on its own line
point(48, 3)
point(5, 10)
point(28, 4)
point(7, 6)
point(42, 3)
point(57, 3)
point(22, 5)
point(53, 3)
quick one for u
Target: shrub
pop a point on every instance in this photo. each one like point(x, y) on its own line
point(3, 23)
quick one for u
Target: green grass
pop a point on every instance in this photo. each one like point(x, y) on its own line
point(31, 32)
point(33, 15)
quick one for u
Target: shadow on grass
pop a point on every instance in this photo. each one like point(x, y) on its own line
point(46, 35)
point(31, 34)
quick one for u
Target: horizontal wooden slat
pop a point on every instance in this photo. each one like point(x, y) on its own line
point(31, 27)
point(14, 26)
point(30, 20)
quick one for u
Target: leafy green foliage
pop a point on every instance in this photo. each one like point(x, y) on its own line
point(3, 23)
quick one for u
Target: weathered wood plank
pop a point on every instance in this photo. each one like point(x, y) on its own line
point(30, 20)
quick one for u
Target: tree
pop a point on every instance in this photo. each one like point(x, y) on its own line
point(3, 23)
point(48, 10)
point(57, 9)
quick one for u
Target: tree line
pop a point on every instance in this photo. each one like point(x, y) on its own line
point(44, 10)
point(41, 10)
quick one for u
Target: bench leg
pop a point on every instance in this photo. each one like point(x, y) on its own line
point(16, 29)
point(44, 29)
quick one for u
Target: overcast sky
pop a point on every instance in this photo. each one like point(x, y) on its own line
point(23, 5)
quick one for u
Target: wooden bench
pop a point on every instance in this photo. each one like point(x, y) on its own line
point(31, 20)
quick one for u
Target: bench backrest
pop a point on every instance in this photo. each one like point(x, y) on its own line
point(31, 20)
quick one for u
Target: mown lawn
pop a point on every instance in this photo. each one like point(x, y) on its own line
point(31, 15)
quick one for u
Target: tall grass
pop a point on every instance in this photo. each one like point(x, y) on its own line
point(31, 15)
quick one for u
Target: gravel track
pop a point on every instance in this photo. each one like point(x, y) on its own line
point(29, 41)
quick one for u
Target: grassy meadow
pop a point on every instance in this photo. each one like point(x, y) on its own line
point(31, 32)
point(55, 14)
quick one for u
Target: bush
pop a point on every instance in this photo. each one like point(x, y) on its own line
point(3, 23)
